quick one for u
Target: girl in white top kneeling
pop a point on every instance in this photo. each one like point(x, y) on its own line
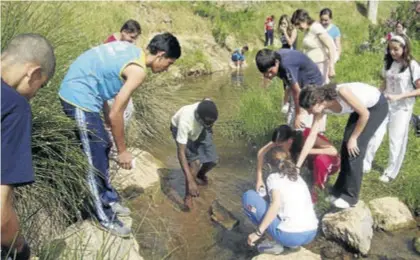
point(290, 217)
point(401, 84)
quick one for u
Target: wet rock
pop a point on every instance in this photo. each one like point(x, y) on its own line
point(390, 214)
point(144, 174)
point(302, 254)
point(416, 244)
point(331, 250)
point(352, 227)
point(85, 240)
point(221, 215)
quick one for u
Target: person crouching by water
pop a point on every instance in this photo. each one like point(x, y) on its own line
point(191, 128)
point(289, 218)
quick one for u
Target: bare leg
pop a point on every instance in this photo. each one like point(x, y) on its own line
point(201, 175)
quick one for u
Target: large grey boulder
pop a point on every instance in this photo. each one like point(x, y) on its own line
point(351, 226)
point(390, 214)
point(302, 254)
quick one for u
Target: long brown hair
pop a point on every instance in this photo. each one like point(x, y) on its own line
point(280, 161)
point(290, 26)
point(301, 15)
point(406, 56)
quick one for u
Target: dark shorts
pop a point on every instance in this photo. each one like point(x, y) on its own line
point(237, 57)
point(202, 149)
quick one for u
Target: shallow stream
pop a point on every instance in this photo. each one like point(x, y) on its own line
point(164, 231)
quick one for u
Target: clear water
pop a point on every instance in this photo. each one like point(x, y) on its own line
point(164, 231)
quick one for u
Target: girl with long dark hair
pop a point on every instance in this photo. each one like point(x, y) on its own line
point(401, 85)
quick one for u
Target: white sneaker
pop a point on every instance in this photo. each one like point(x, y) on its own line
point(270, 247)
point(342, 204)
point(384, 179)
point(285, 108)
point(331, 198)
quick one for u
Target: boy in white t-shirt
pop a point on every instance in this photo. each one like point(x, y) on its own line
point(290, 217)
point(191, 128)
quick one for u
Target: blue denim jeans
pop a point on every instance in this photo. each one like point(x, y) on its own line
point(255, 208)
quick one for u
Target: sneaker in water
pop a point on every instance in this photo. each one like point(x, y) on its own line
point(119, 209)
point(270, 247)
point(116, 227)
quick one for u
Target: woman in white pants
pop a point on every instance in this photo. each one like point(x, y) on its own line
point(401, 84)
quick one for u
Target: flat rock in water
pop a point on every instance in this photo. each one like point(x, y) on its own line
point(222, 216)
point(390, 214)
point(302, 254)
point(352, 227)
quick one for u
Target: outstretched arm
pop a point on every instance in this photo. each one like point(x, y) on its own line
point(310, 140)
point(135, 75)
point(260, 162)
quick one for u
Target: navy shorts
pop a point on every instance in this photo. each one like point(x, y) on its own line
point(237, 57)
point(202, 149)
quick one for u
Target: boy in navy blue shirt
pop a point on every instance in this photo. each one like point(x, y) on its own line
point(26, 65)
point(297, 71)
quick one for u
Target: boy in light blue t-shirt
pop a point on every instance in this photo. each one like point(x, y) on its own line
point(112, 70)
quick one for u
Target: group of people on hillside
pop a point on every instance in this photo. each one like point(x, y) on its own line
point(371, 112)
point(96, 93)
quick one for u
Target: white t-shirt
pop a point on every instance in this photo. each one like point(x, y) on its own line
point(397, 83)
point(296, 209)
point(188, 127)
point(312, 44)
point(368, 95)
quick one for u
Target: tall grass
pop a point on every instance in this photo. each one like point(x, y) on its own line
point(55, 200)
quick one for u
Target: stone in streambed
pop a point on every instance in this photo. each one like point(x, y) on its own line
point(222, 216)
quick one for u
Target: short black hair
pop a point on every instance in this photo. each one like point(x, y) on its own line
point(207, 109)
point(266, 59)
point(131, 26)
point(167, 43)
point(326, 11)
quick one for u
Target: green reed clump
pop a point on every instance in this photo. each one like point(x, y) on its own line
point(57, 197)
